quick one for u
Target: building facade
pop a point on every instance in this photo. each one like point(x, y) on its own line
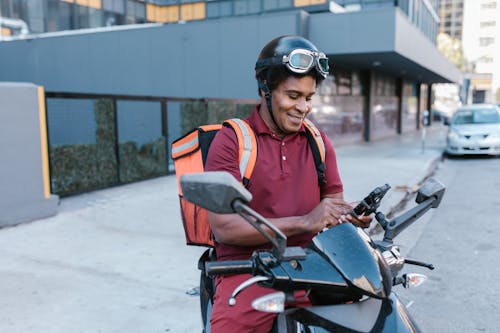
point(137, 87)
point(481, 33)
point(451, 15)
point(57, 15)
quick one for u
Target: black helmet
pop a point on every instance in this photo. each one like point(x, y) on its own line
point(285, 56)
point(295, 53)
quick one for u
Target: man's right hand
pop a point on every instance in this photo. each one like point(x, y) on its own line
point(327, 214)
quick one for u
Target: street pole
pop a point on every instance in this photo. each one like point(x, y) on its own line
point(423, 138)
point(425, 123)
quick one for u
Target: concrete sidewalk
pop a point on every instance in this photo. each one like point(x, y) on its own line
point(115, 260)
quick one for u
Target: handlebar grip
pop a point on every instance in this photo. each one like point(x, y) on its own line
point(228, 267)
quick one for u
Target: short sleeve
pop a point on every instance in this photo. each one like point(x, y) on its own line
point(223, 153)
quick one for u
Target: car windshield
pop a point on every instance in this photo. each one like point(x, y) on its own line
point(479, 116)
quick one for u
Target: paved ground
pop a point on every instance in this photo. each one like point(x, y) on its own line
point(115, 260)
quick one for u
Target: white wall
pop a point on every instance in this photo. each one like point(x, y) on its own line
point(474, 15)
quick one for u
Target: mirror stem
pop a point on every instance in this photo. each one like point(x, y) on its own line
point(256, 220)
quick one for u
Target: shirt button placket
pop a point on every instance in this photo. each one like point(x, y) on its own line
point(283, 157)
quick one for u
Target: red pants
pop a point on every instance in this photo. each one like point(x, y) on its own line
point(240, 318)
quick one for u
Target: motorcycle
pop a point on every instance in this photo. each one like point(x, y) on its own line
point(348, 276)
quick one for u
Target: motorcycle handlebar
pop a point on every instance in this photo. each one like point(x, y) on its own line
point(228, 267)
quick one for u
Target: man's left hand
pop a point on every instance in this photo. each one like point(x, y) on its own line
point(362, 221)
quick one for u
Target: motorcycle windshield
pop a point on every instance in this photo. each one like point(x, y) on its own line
point(353, 256)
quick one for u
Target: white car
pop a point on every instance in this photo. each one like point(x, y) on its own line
point(474, 129)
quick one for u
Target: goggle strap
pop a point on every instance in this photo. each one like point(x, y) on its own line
point(267, 93)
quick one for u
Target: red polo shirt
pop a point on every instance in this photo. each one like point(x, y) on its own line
point(284, 181)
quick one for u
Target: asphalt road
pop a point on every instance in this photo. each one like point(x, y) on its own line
point(461, 239)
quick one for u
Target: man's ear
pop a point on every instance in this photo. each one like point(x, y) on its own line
point(261, 92)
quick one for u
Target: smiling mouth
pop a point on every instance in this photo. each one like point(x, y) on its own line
point(296, 118)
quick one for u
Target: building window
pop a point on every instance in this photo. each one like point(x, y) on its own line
point(113, 12)
point(487, 24)
point(384, 85)
point(343, 83)
point(489, 5)
point(95, 17)
point(136, 12)
point(219, 9)
point(486, 41)
point(277, 4)
point(58, 16)
point(486, 59)
point(356, 86)
point(115, 6)
point(83, 17)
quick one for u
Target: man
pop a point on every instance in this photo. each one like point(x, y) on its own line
point(284, 183)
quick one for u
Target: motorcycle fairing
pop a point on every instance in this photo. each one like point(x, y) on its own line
point(354, 258)
point(368, 316)
point(312, 272)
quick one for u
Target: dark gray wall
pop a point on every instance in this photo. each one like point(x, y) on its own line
point(24, 192)
point(385, 35)
point(213, 58)
point(368, 31)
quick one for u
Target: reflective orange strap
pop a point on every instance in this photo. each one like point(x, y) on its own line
point(317, 137)
point(185, 144)
point(247, 147)
point(189, 142)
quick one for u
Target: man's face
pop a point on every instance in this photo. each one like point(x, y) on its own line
point(291, 103)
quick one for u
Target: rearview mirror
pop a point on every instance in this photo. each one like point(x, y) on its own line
point(431, 188)
point(213, 190)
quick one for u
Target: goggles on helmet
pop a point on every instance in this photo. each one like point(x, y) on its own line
point(299, 61)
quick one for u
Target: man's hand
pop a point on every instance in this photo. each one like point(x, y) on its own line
point(362, 221)
point(327, 214)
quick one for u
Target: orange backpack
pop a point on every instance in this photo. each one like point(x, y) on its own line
point(189, 154)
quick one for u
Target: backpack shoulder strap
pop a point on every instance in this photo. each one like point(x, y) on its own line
point(190, 142)
point(317, 147)
point(247, 147)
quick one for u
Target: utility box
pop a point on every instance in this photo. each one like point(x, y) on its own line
point(24, 161)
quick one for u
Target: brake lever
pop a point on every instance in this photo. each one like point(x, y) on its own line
point(419, 263)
